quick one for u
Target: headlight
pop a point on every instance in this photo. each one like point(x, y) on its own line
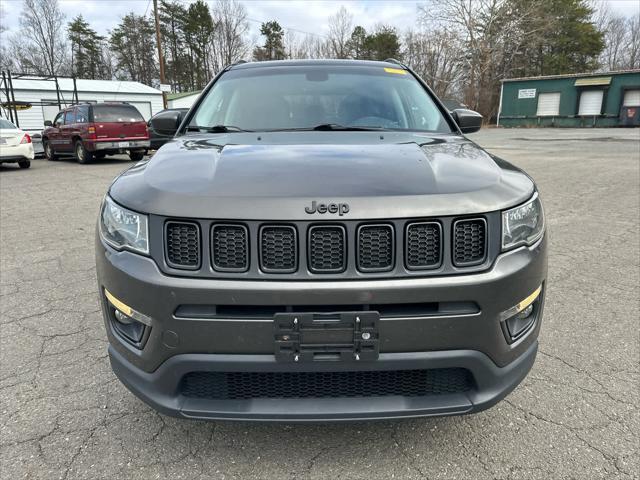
point(523, 225)
point(122, 228)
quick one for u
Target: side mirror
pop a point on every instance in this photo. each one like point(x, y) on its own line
point(48, 123)
point(166, 123)
point(468, 120)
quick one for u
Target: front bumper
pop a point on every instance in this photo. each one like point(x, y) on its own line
point(160, 389)
point(176, 346)
point(16, 153)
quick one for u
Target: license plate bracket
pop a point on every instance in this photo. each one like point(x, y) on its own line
point(316, 337)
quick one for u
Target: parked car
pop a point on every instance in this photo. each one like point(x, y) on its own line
point(321, 242)
point(157, 139)
point(89, 131)
point(15, 145)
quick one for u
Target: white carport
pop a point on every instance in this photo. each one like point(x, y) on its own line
point(146, 99)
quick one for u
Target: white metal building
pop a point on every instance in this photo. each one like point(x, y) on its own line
point(182, 100)
point(146, 99)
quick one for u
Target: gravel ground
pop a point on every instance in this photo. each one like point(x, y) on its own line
point(64, 414)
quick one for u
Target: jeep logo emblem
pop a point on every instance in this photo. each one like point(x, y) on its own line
point(339, 208)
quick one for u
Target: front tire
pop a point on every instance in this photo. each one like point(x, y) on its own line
point(24, 163)
point(48, 151)
point(136, 156)
point(82, 155)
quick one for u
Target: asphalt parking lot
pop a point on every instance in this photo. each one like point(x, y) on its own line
point(64, 414)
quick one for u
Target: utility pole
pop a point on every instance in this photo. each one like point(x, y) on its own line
point(160, 57)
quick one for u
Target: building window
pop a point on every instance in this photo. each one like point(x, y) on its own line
point(591, 102)
point(548, 104)
point(631, 98)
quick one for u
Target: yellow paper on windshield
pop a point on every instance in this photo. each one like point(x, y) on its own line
point(397, 71)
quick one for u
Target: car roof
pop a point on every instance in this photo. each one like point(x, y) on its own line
point(318, 62)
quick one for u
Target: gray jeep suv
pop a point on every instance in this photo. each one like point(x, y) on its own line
point(321, 242)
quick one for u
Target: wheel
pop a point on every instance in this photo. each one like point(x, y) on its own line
point(24, 164)
point(136, 156)
point(48, 151)
point(82, 155)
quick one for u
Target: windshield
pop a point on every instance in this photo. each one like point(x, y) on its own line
point(116, 114)
point(7, 125)
point(303, 97)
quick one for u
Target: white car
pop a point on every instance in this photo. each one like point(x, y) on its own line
point(15, 145)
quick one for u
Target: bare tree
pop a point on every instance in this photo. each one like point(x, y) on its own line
point(228, 42)
point(621, 39)
point(307, 46)
point(340, 28)
point(437, 56)
point(633, 53)
point(493, 34)
point(41, 40)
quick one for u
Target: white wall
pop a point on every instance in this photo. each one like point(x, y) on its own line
point(33, 119)
point(183, 102)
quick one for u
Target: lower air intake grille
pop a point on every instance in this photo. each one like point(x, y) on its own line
point(327, 249)
point(249, 385)
point(278, 249)
point(375, 248)
point(469, 242)
point(230, 248)
point(183, 245)
point(423, 245)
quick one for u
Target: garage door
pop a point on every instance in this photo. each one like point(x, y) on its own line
point(631, 98)
point(144, 108)
point(591, 102)
point(548, 104)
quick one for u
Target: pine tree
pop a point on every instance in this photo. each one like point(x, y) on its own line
point(87, 50)
point(273, 48)
point(133, 43)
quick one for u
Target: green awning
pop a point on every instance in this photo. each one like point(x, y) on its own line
point(586, 82)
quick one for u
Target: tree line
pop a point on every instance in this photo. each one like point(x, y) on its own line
point(462, 48)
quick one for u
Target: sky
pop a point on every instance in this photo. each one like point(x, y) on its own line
point(301, 16)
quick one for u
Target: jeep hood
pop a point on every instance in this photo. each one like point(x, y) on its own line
point(390, 175)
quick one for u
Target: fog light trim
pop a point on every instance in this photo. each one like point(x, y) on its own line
point(521, 305)
point(126, 309)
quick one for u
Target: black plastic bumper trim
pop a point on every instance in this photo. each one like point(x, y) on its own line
point(160, 389)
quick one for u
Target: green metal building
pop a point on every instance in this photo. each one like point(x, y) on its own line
point(583, 100)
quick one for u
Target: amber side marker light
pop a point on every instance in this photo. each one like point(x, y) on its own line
point(125, 309)
point(519, 318)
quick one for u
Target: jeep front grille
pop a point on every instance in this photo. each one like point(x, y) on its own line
point(469, 242)
point(371, 383)
point(332, 250)
point(423, 247)
point(278, 249)
point(327, 249)
point(229, 248)
point(183, 245)
point(375, 248)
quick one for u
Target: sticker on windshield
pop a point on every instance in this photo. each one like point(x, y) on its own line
point(397, 71)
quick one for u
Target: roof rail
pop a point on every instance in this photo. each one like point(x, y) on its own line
point(397, 62)
point(239, 62)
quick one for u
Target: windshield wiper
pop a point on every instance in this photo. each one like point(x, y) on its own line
point(327, 127)
point(216, 129)
point(345, 128)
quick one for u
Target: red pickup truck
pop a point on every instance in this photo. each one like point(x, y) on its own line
point(92, 131)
